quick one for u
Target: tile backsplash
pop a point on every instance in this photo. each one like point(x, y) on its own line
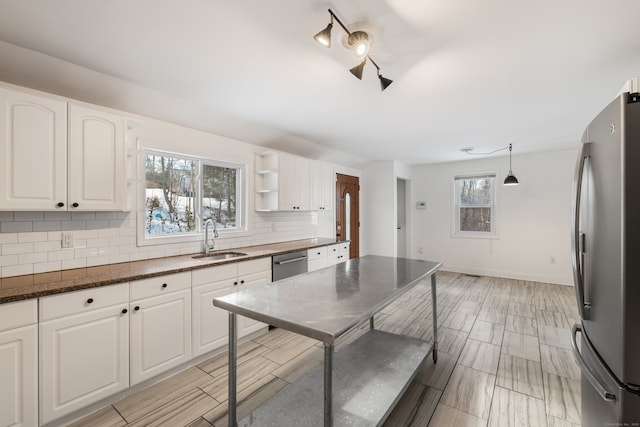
point(31, 242)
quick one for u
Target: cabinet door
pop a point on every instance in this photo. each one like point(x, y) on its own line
point(83, 359)
point(160, 334)
point(302, 184)
point(33, 152)
point(18, 377)
point(250, 281)
point(321, 186)
point(328, 187)
point(315, 186)
point(210, 324)
point(286, 182)
point(96, 160)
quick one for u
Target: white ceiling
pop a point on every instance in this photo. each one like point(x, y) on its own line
point(466, 72)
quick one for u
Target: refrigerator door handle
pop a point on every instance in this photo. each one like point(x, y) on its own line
point(600, 389)
point(578, 238)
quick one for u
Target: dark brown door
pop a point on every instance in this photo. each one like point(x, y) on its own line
point(348, 211)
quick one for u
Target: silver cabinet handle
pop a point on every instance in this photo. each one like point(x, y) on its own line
point(578, 238)
point(602, 391)
point(291, 260)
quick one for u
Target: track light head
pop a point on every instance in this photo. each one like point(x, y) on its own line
point(359, 41)
point(357, 70)
point(324, 36)
point(384, 82)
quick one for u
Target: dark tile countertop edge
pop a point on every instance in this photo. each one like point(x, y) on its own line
point(19, 288)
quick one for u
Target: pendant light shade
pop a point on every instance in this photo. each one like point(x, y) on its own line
point(357, 70)
point(511, 178)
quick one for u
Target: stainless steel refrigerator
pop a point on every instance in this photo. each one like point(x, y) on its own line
point(606, 263)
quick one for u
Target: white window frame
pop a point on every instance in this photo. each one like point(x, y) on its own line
point(242, 205)
point(456, 206)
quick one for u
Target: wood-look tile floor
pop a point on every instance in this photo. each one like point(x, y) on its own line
point(504, 360)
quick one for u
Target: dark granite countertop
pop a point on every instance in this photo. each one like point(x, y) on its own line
point(36, 285)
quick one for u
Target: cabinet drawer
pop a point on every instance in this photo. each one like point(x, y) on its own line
point(338, 248)
point(85, 300)
point(158, 285)
point(214, 274)
point(316, 253)
point(17, 314)
point(254, 266)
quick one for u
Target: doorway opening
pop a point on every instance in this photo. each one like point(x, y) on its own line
point(401, 218)
point(348, 212)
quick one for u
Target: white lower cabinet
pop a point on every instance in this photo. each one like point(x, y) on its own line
point(160, 325)
point(250, 280)
point(324, 256)
point(19, 364)
point(211, 324)
point(316, 258)
point(84, 348)
point(337, 253)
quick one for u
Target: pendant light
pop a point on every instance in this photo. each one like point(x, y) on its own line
point(511, 178)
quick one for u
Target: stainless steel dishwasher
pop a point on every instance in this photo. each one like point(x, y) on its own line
point(287, 265)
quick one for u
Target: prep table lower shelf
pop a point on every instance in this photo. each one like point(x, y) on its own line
point(370, 376)
point(358, 386)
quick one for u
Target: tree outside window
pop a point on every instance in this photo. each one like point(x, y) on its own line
point(474, 204)
point(181, 193)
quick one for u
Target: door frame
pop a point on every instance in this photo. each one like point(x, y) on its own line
point(352, 182)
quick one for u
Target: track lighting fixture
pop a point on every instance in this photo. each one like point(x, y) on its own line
point(511, 178)
point(359, 41)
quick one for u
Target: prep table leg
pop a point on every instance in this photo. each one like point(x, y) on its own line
point(233, 349)
point(328, 385)
point(435, 317)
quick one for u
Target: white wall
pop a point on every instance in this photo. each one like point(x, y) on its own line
point(378, 209)
point(534, 218)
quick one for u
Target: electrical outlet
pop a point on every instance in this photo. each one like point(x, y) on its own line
point(67, 239)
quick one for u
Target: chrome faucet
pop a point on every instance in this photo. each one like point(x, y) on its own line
point(207, 248)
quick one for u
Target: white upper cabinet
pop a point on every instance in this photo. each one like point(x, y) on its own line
point(281, 182)
point(294, 183)
point(33, 152)
point(96, 167)
point(59, 156)
point(321, 186)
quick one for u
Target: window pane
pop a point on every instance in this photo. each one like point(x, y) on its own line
point(475, 191)
point(347, 215)
point(474, 199)
point(220, 195)
point(170, 195)
point(475, 219)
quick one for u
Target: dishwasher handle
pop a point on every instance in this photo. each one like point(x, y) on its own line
point(290, 260)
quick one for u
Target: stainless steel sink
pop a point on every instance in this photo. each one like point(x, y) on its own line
point(214, 256)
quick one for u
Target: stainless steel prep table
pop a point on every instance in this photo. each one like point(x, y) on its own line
point(370, 375)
